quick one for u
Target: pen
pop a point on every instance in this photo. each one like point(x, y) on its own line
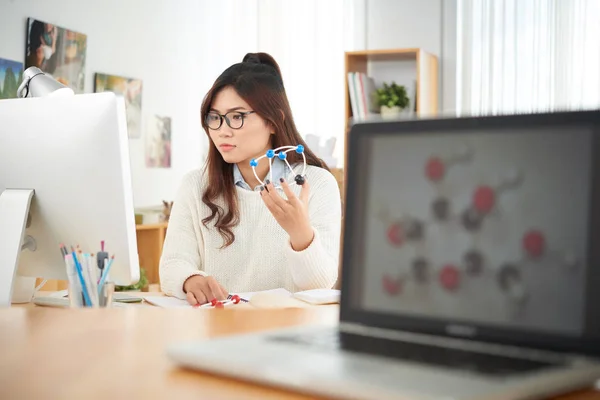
point(63, 251)
point(75, 292)
point(101, 258)
point(93, 278)
point(236, 298)
point(105, 274)
point(86, 295)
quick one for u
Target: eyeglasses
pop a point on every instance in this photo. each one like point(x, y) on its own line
point(235, 119)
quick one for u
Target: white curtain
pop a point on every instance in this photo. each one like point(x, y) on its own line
point(306, 38)
point(523, 56)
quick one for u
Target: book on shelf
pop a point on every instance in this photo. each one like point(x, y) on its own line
point(363, 99)
point(361, 89)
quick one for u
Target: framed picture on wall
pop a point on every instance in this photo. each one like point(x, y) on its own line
point(11, 75)
point(131, 90)
point(158, 142)
point(57, 51)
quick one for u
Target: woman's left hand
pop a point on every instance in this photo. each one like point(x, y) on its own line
point(290, 214)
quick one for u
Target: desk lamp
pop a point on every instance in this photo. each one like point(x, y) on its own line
point(37, 84)
point(15, 203)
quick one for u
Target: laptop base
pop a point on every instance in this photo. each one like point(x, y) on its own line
point(319, 369)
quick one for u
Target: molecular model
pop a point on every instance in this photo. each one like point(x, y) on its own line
point(281, 153)
point(409, 230)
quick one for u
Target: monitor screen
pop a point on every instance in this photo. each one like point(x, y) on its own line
point(485, 227)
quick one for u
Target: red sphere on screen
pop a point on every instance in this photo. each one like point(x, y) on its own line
point(395, 234)
point(450, 277)
point(534, 243)
point(484, 199)
point(435, 169)
point(390, 285)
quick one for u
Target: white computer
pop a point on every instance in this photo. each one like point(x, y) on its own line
point(64, 178)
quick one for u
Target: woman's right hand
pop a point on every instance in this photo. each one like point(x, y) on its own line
point(202, 289)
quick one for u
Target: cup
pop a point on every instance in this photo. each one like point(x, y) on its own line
point(100, 297)
point(106, 297)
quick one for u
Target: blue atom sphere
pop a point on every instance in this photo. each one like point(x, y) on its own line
point(253, 163)
point(270, 153)
point(282, 156)
point(299, 149)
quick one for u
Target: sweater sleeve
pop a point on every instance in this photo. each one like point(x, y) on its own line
point(316, 267)
point(181, 257)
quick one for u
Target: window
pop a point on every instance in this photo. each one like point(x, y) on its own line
point(522, 56)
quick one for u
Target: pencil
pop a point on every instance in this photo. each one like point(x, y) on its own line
point(105, 274)
point(86, 295)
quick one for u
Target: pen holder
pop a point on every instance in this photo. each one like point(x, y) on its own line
point(102, 297)
point(106, 297)
point(89, 281)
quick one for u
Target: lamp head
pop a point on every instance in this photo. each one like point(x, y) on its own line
point(37, 84)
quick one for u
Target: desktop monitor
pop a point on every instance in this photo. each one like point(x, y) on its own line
point(64, 178)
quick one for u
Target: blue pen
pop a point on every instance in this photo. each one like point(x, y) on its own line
point(86, 295)
point(104, 275)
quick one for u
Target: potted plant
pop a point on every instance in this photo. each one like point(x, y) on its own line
point(140, 286)
point(392, 99)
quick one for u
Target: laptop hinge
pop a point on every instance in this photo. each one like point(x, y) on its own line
point(458, 343)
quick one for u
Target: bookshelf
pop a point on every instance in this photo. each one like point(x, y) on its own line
point(400, 65)
point(150, 240)
point(403, 66)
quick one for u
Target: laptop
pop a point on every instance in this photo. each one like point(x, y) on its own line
point(469, 268)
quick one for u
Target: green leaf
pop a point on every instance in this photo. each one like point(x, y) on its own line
point(392, 95)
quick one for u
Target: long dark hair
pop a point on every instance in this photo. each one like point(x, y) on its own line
point(257, 80)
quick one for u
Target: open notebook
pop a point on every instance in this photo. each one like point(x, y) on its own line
point(170, 302)
point(316, 296)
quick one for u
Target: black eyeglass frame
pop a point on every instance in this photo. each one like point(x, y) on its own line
point(224, 116)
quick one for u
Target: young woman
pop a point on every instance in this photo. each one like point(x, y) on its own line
point(227, 232)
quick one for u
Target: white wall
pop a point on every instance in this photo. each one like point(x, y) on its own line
point(307, 40)
point(404, 23)
point(178, 48)
point(173, 47)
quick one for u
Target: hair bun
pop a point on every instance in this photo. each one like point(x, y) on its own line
point(251, 58)
point(263, 59)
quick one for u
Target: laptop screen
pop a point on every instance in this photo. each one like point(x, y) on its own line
point(478, 226)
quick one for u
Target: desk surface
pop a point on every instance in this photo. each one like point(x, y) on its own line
point(103, 353)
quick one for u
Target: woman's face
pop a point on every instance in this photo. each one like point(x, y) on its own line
point(250, 141)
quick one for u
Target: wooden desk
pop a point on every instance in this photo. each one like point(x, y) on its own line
point(120, 353)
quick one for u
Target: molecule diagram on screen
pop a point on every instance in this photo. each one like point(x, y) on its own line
point(281, 153)
point(412, 231)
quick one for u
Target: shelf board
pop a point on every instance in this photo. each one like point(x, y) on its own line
point(385, 54)
point(144, 227)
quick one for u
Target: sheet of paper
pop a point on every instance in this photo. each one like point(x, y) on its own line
point(167, 302)
point(173, 302)
point(279, 292)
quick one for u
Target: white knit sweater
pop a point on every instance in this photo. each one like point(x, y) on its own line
point(261, 257)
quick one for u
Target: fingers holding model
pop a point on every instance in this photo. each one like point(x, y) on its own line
point(291, 213)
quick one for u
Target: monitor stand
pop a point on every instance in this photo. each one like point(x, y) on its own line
point(14, 215)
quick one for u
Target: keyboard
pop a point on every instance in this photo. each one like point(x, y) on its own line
point(62, 302)
point(472, 361)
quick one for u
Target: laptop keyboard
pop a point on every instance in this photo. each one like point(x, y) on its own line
point(481, 363)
